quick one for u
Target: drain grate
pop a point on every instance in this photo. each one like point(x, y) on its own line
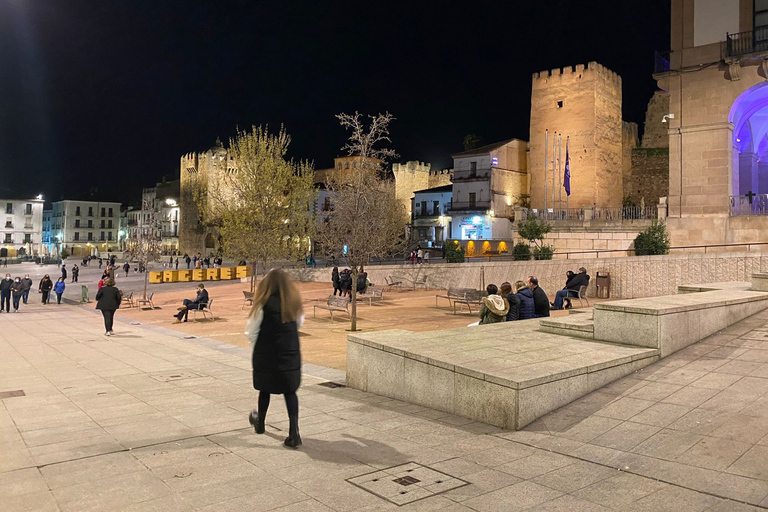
point(174, 376)
point(407, 483)
point(12, 394)
point(332, 385)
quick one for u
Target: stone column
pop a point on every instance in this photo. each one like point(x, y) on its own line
point(662, 209)
point(762, 176)
point(589, 213)
point(520, 214)
point(747, 173)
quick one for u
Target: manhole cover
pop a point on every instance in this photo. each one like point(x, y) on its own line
point(12, 394)
point(332, 385)
point(174, 376)
point(407, 483)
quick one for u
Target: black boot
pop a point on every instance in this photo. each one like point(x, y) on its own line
point(257, 420)
point(294, 439)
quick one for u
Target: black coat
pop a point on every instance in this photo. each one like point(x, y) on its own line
point(540, 302)
point(108, 298)
point(577, 281)
point(514, 307)
point(6, 285)
point(276, 356)
point(45, 285)
point(527, 307)
point(335, 278)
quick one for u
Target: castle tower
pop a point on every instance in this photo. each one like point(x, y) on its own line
point(409, 177)
point(583, 102)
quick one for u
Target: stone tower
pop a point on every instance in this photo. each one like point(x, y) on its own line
point(584, 103)
point(412, 176)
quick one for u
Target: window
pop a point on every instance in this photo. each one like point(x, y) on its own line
point(77, 236)
point(346, 165)
point(27, 238)
point(422, 233)
point(423, 207)
point(110, 212)
point(102, 236)
point(90, 223)
point(28, 209)
point(9, 208)
point(8, 238)
point(472, 199)
point(77, 223)
point(9, 222)
point(327, 204)
point(109, 235)
point(103, 210)
point(77, 211)
point(559, 103)
point(90, 236)
point(472, 169)
point(102, 223)
point(436, 207)
point(339, 166)
point(90, 211)
point(109, 224)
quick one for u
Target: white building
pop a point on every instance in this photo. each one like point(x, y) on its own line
point(85, 227)
point(488, 182)
point(159, 215)
point(23, 227)
point(430, 220)
point(47, 235)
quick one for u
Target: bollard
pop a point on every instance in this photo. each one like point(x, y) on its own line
point(84, 291)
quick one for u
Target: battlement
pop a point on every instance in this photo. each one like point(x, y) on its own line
point(412, 166)
point(571, 74)
point(441, 172)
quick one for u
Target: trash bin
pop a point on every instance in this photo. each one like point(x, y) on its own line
point(84, 291)
point(603, 285)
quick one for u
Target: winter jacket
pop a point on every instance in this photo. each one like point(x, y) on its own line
point(63, 272)
point(577, 281)
point(6, 285)
point(514, 307)
point(59, 287)
point(541, 302)
point(276, 355)
point(345, 280)
point(494, 309)
point(17, 288)
point(26, 283)
point(45, 285)
point(527, 307)
point(108, 298)
point(335, 278)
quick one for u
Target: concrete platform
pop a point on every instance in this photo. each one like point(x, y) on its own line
point(505, 374)
point(579, 325)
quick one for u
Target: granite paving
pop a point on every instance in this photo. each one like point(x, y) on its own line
point(148, 420)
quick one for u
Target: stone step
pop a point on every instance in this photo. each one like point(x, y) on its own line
point(581, 325)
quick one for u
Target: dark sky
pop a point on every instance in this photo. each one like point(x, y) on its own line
point(108, 94)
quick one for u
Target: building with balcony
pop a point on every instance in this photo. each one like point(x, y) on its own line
point(85, 227)
point(488, 182)
point(717, 122)
point(22, 227)
point(47, 238)
point(159, 215)
point(430, 218)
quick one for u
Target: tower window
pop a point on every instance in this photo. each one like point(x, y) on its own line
point(560, 104)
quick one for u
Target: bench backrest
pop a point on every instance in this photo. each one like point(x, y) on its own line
point(476, 294)
point(457, 292)
point(377, 292)
point(338, 302)
point(206, 305)
point(248, 295)
point(582, 291)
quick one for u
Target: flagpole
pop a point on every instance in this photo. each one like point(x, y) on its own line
point(554, 168)
point(546, 169)
point(567, 155)
point(559, 173)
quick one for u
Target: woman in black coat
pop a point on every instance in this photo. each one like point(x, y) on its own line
point(46, 285)
point(336, 280)
point(273, 330)
point(108, 300)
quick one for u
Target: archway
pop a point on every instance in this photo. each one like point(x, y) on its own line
point(210, 241)
point(749, 116)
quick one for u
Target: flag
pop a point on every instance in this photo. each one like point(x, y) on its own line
point(567, 176)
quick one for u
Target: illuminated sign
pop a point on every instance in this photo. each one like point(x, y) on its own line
point(477, 220)
point(494, 161)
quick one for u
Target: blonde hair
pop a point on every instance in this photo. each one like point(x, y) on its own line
point(276, 281)
point(109, 282)
point(519, 285)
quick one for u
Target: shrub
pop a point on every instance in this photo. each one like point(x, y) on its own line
point(454, 253)
point(653, 240)
point(64, 254)
point(521, 251)
point(544, 252)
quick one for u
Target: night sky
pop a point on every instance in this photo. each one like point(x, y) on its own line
point(102, 97)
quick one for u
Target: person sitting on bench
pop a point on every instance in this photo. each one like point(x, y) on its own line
point(200, 301)
point(572, 286)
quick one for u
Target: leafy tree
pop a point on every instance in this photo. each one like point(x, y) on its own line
point(521, 251)
point(472, 141)
point(259, 201)
point(365, 214)
point(545, 252)
point(653, 240)
point(454, 252)
point(145, 248)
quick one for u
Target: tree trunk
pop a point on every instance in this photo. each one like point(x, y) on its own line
point(353, 313)
point(255, 266)
point(146, 280)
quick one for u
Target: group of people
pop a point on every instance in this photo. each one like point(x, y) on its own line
point(521, 301)
point(418, 256)
point(342, 282)
point(17, 290)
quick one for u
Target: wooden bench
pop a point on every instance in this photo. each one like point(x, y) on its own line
point(371, 294)
point(453, 294)
point(334, 303)
point(472, 299)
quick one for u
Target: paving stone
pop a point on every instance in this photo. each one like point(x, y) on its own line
point(752, 464)
point(574, 477)
point(625, 436)
point(683, 500)
point(714, 453)
point(535, 465)
point(520, 496)
point(620, 491)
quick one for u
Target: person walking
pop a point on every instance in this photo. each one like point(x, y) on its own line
point(127, 268)
point(17, 289)
point(335, 280)
point(27, 285)
point(64, 271)
point(187, 260)
point(101, 262)
point(75, 273)
point(45, 287)
point(273, 330)
point(59, 289)
point(419, 255)
point(177, 263)
point(5, 293)
point(108, 300)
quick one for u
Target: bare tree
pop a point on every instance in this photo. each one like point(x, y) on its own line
point(365, 215)
point(145, 248)
point(260, 203)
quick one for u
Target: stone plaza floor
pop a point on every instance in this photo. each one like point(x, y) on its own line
point(155, 419)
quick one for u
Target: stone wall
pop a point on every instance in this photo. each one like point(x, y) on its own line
point(648, 177)
point(655, 133)
point(633, 277)
point(567, 240)
point(412, 176)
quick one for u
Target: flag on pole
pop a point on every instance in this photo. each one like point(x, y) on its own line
point(567, 176)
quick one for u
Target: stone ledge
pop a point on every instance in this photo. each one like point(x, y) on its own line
point(672, 304)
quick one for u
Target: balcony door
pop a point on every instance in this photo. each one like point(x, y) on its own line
point(472, 201)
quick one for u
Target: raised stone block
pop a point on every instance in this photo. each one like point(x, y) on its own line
point(760, 282)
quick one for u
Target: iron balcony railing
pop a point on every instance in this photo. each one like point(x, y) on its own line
point(744, 43)
point(472, 175)
point(600, 214)
point(470, 205)
point(749, 204)
point(563, 214)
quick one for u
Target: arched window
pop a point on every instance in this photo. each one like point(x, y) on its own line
point(346, 165)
